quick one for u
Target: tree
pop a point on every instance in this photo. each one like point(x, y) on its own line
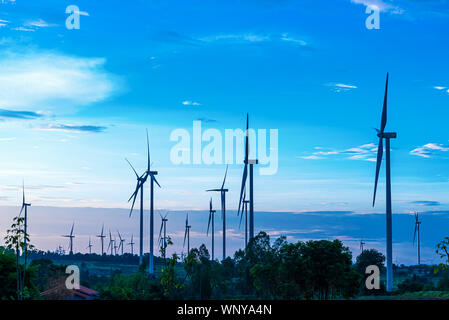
point(15, 240)
point(198, 269)
point(367, 258)
point(330, 270)
point(442, 251)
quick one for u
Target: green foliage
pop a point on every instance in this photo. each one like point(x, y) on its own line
point(442, 251)
point(171, 284)
point(198, 269)
point(367, 258)
point(138, 286)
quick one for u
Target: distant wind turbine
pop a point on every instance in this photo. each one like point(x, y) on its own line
point(361, 245)
point(223, 191)
point(102, 236)
point(417, 223)
point(387, 136)
point(71, 236)
point(187, 235)
point(122, 240)
point(111, 243)
point(25, 206)
point(163, 240)
point(211, 219)
point(89, 246)
point(131, 243)
point(251, 163)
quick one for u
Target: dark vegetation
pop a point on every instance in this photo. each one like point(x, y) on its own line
point(264, 270)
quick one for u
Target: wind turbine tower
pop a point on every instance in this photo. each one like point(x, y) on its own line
point(387, 136)
point(102, 236)
point(417, 223)
point(70, 236)
point(187, 235)
point(223, 191)
point(211, 219)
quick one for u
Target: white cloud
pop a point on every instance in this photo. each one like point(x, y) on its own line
point(341, 87)
point(253, 38)
point(190, 103)
point(439, 88)
point(381, 5)
point(39, 23)
point(53, 81)
point(23, 29)
point(365, 152)
point(428, 150)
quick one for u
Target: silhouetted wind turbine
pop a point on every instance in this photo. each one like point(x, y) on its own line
point(211, 219)
point(361, 245)
point(102, 236)
point(140, 183)
point(251, 163)
point(223, 209)
point(111, 243)
point(163, 241)
point(71, 236)
point(131, 243)
point(187, 235)
point(122, 240)
point(25, 206)
point(387, 136)
point(417, 223)
point(115, 245)
point(245, 209)
point(89, 246)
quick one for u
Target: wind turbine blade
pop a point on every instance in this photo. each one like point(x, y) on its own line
point(135, 191)
point(132, 168)
point(208, 223)
point(102, 229)
point(383, 121)
point(185, 235)
point(154, 179)
point(160, 231)
point(247, 139)
point(134, 201)
point(414, 234)
point(213, 190)
point(23, 206)
point(148, 152)
point(245, 173)
point(224, 180)
point(380, 151)
point(23, 192)
point(241, 218)
point(71, 231)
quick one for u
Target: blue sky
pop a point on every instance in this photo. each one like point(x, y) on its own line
point(75, 103)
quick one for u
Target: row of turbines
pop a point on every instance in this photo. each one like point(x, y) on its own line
point(246, 205)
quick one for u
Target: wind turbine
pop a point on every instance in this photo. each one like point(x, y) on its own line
point(387, 136)
point(417, 223)
point(211, 219)
point(71, 236)
point(121, 241)
point(131, 243)
point(111, 243)
point(361, 245)
point(89, 246)
point(187, 235)
point(140, 183)
point(163, 241)
point(115, 245)
point(251, 163)
point(102, 236)
point(25, 206)
point(223, 209)
point(245, 209)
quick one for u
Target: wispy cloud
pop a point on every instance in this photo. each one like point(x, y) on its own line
point(341, 87)
point(426, 203)
point(73, 128)
point(366, 152)
point(4, 113)
point(430, 149)
point(207, 120)
point(250, 37)
point(190, 103)
point(51, 80)
point(39, 23)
